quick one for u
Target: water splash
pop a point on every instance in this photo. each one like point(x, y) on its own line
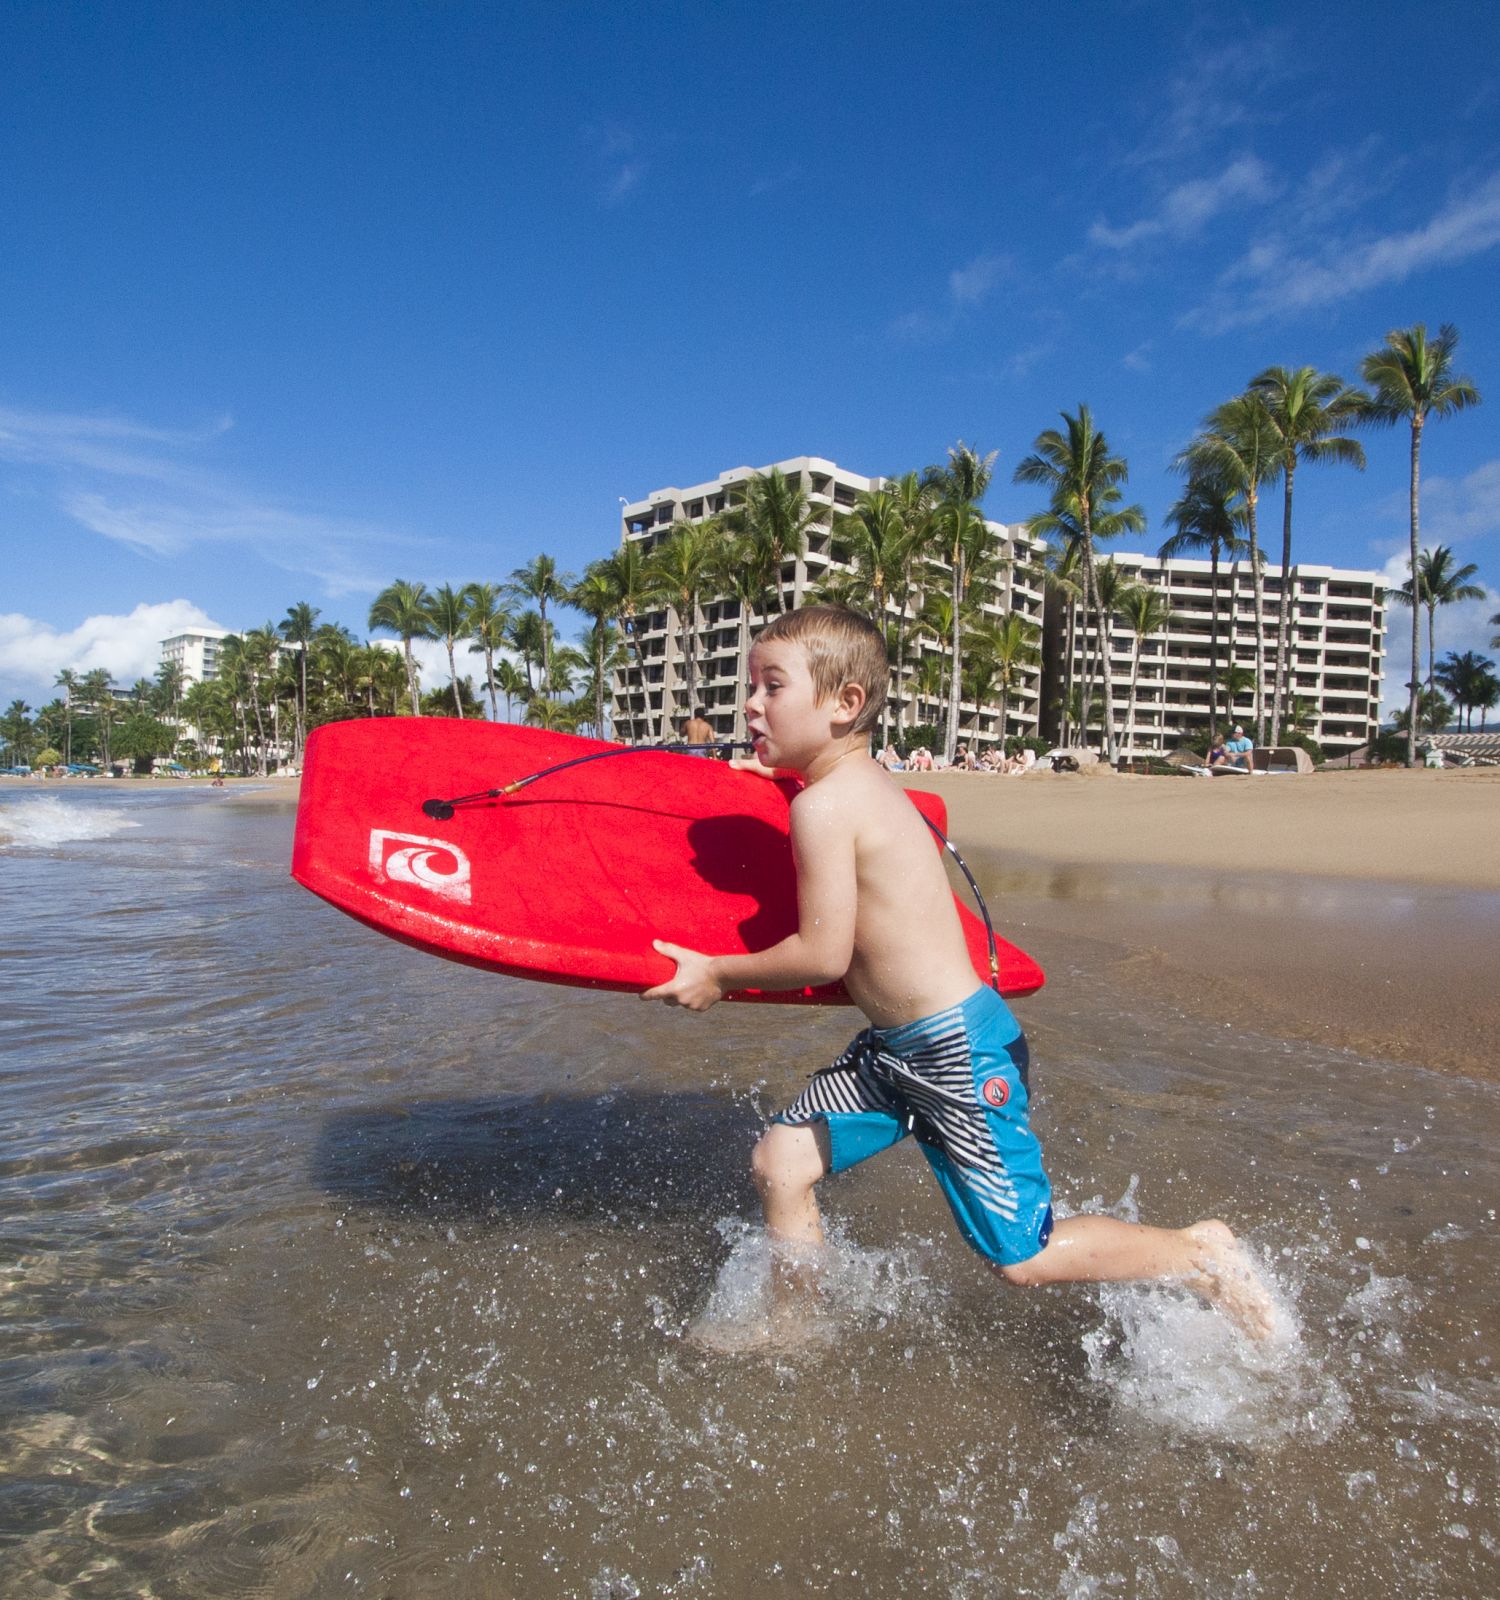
point(849, 1286)
point(49, 821)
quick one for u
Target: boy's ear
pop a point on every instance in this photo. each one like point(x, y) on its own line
point(848, 703)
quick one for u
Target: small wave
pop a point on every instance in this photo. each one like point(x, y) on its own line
point(48, 821)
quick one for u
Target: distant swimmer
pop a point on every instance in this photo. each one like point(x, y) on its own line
point(943, 1060)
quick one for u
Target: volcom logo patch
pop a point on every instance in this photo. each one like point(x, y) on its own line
point(996, 1092)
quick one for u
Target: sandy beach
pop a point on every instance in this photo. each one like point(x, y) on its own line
point(1355, 909)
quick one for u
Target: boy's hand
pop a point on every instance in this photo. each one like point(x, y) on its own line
point(693, 985)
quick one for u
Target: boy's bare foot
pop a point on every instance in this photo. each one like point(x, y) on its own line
point(784, 1327)
point(1227, 1278)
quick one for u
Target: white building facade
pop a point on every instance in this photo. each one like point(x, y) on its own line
point(1337, 622)
point(650, 697)
point(196, 652)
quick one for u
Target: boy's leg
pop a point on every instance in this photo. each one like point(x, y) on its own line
point(1206, 1258)
point(788, 1162)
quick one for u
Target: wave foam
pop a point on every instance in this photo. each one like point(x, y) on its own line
point(49, 820)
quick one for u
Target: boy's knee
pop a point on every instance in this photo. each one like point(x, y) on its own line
point(787, 1156)
point(1021, 1274)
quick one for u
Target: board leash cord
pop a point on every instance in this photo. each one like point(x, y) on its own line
point(443, 811)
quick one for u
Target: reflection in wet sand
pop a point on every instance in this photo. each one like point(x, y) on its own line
point(329, 1268)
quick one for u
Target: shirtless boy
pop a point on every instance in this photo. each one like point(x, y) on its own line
point(943, 1058)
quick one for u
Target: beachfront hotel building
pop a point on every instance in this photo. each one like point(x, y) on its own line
point(196, 652)
point(650, 697)
point(1338, 630)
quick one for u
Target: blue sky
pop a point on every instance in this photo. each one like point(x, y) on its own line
point(300, 299)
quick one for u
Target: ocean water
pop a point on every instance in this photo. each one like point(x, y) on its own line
point(327, 1268)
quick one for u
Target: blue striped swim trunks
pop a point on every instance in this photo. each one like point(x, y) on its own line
point(956, 1082)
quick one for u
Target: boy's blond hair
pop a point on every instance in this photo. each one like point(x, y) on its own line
point(842, 646)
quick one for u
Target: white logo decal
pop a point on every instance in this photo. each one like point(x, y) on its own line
point(425, 863)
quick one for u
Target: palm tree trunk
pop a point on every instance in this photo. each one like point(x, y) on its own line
point(411, 675)
point(1416, 621)
point(1086, 688)
point(489, 678)
point(1065, 726)
point(458, 699)
point(955, 689)
point(1258, 583)
point(1284, 611)
point(1213, 647)
point(1135, 673)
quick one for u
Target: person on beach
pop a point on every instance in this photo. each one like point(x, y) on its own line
point(1240, 750)
point(698, 730)
point(1217, 754)
point(943, 1058)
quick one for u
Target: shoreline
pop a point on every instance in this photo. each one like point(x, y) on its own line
point(1353, 909)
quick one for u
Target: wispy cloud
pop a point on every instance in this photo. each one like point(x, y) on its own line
point(1281, 277)
point(1217, 93)
point(968, 287)
point(1186, 209)
point(616, 153)
point(151, 489)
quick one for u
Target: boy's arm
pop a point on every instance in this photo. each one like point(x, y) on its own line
point(823, 945)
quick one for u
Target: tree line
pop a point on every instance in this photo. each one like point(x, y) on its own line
point(915, 552)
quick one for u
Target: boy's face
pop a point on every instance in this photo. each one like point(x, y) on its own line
point(788, 723)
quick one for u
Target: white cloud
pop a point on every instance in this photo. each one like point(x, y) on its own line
point(972, 284)
point(145, 487)
point(1277, 277)
point(127, 647)
point(1185, 210)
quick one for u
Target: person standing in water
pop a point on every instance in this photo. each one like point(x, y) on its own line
point(698, 730)
point(943, 1059)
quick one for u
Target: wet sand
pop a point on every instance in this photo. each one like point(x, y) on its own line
point(1358, 910)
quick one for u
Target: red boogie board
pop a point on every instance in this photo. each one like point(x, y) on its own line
point(570, 879)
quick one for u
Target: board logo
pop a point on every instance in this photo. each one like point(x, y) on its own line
point(424, 863)
point(996, 1091)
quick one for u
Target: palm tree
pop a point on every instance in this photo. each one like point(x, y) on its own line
point(772, 511)
point(1240, 444)
point(511, 682)
point(539, 580)
point(681, 565)
point(1205, 520)
point(1412, 379)
point(628, 574)
point(1439, 583)
point(448, 609)
point(746, 569)
point(527, 635)
point(297, 627)
point(67, 681)
point(1011, 644)
point(914, 502)
point(1077, 467)
point(1469, 680)
point(960, 524)
point(1146, 611)
point(594, 595)
point(486, 619)
point(1306, 406)
point(401, 608)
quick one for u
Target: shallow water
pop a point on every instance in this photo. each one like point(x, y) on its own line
point(329, 1268)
